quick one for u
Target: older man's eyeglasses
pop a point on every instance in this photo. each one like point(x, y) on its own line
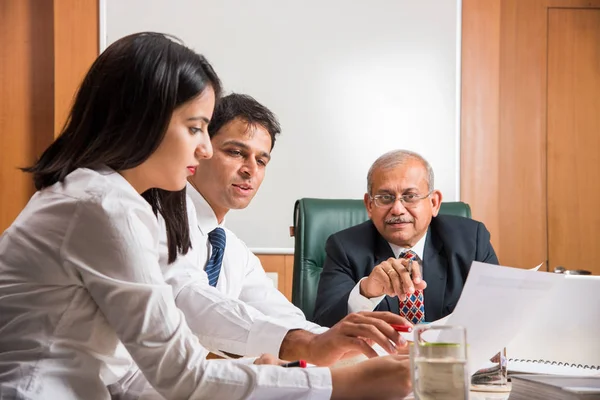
point(408, 200)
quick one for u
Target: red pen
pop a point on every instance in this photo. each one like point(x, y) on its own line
point(402, 328)
point(299, 363)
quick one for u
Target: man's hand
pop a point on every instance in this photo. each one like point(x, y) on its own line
point(393, 277)
point(351, 336)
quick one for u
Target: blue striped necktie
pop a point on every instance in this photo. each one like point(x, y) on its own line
point(213, 268)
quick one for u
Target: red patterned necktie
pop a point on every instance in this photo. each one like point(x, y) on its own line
point(412, 308)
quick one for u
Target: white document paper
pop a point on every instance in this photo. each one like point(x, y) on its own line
point(537, 268)
point(563, 336)
point(495, 302)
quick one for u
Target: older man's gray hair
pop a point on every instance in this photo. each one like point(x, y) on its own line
point(396, 157)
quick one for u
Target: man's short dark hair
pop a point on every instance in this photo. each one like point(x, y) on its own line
point(246, 108)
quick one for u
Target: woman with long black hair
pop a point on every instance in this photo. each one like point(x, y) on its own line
point(79, 271)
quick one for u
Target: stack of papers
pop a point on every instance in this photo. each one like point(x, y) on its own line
point(551, 387)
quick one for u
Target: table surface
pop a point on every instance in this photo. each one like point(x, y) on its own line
point(488, 396)
point(479, 396)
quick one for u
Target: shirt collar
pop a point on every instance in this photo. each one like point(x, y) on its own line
point(116, 179)
point(207, 220)
point(418, 248)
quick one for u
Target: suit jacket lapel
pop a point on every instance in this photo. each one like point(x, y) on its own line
point(383, 251)
point(435, 274)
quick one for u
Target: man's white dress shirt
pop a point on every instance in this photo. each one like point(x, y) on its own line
point(79, 272)
point(256, 316)
point(357, 302)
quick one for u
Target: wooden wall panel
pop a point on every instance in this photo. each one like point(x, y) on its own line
point(289, 276)
point(45, 48)
point(283, 265)
point(504, 122)
point(523, 126)
point(522, 183)
point(479, 161)
point(76, 46)
point(26, 97)
point(573, 138)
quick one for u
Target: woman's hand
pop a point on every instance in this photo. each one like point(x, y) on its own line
point(377, 378)
point(268, 359)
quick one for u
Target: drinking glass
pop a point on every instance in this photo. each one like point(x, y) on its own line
point(439, 363)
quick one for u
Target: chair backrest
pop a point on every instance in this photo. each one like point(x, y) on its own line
point(314, 221)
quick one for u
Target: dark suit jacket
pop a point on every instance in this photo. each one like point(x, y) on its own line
point(452, 244)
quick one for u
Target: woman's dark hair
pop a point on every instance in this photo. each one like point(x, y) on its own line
point(121, 113)
point(242, 106)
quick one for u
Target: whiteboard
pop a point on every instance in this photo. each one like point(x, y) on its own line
point(349, 81)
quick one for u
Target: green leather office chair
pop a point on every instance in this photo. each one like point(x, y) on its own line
point(314, 221)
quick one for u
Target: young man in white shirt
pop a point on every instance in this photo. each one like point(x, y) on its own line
point(259, 319)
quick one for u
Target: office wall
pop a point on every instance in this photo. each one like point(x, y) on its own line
point(348, 80)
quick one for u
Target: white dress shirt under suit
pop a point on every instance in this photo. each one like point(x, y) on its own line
point(357, 302)
point(79, 271)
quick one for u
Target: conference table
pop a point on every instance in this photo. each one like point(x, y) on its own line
point(476, 395)
point(488, 396)
point(473, 395)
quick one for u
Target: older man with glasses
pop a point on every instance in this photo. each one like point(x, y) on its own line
point(406, 259)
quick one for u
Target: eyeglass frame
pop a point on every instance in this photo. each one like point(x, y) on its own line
point(405, 204)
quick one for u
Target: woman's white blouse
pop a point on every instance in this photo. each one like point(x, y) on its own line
point(79, 272)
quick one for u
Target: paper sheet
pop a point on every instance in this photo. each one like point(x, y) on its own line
point(566, 329)
point(495, 302)
point(537, 268)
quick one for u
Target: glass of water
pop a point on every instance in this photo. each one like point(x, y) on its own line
point(439, 363)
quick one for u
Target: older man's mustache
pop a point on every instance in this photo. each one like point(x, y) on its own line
point(398, 220)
